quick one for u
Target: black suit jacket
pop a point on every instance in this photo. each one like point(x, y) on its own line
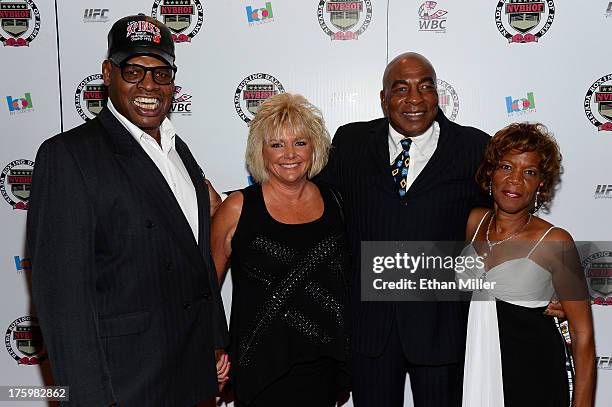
point(127, 300)
point(435, 208)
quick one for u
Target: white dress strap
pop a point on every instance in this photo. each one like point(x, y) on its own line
point(480, 224)
point(539, 241)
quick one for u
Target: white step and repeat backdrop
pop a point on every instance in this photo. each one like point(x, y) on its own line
point(497, 62)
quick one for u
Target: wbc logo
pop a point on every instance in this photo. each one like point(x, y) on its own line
point(432, 19)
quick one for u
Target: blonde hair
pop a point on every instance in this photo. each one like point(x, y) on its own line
point(281, 112)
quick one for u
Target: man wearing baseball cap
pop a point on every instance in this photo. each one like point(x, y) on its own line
point(118, 229)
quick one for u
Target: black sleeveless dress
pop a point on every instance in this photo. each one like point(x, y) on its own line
point(289, 296)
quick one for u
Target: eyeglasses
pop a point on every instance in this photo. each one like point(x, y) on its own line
point(134, 73)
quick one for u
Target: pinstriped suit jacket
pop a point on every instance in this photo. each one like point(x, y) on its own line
point(127, 300)
point(435, 208)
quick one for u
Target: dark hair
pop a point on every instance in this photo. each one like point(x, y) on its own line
point(524, 137)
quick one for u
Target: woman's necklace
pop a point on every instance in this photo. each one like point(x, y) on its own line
point(492, 245)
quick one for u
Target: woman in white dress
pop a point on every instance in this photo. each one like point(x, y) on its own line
point(515, 354)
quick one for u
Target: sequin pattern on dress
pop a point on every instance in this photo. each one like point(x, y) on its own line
point(275, 305)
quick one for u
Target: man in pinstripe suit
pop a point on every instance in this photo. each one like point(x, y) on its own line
point(118, 230)
point(425, 340)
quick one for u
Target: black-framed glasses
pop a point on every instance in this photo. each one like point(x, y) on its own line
point(134, 73)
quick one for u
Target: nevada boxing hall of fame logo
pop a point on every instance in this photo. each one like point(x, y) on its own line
point(20, 23)
point(252, 92)
point(90, 96)
point(15, 183)
point(598, 271)
point(524, 21)
point(184, 18)
point(344, 19)
point(448, 100)
point(598, 103)
point(24, 342)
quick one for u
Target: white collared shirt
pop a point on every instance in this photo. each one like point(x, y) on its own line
point(169, 163)
point(421, 150)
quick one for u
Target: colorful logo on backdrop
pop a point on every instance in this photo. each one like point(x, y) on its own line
point(24, 341)
point(15, 182)
point(181, 102)
point(257, 16)
point(598, 271)
point(90, 96)
point(524, 21)
point(95, 15)
point(184, 18)
point(253, 91)
point(344, 19)
point(18, 105)
point(448, 100)
point(598, 103)
point(23, 264)
point(603, 191)
point(520, 106)
point(19, 21)
point(431, 18)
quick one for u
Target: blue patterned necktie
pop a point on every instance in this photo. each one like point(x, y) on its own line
point(399, 168)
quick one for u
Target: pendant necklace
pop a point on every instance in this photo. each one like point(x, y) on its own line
point(492, 245)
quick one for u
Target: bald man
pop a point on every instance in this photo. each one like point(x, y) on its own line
point(407, 177)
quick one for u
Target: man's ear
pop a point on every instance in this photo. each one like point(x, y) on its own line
point(383, 102)
point(107, 67)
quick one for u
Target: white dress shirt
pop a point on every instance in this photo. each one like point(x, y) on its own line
point(421, 150)
point(169, 163)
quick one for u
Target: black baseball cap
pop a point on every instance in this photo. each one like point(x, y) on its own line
point(140, 35)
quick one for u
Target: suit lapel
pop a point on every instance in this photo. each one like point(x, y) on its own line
point(197, 178)
point(147, 179)
point(379, 147)
point(438, 161)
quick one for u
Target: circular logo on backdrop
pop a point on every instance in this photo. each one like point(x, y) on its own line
point(90, 96)
point(598, 103)
point(448, 100)
point(184, 18)
point(24, 342)
point(15, 182)
point(522, 21)
point(598, 272)
point(252, 92)
point(19, 22)
point(344, 19)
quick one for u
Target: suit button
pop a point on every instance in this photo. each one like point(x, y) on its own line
point(207, 296)
point(168, 266)
point(149, 224)
point(187, 306)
